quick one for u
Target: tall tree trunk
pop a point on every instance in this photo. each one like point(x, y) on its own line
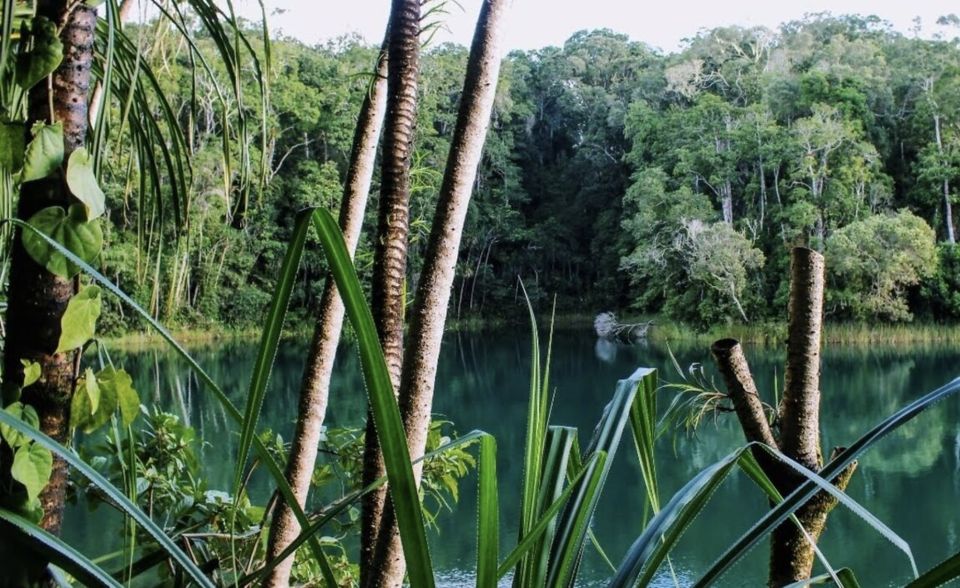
point(436, 279)
point(37, 299)
point(791, 553)
point(947, 205)
point(390, 248)
point(315, 386)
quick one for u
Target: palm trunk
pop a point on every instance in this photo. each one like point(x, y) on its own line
point(315, 387)
point(791, 553)
point(390, 250)
point(436, 279)
point(37, 299)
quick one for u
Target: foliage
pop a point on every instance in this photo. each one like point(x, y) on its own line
point(874, 260)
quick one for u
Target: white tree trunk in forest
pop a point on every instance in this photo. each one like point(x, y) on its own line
point(947, 206)
point(315, 386)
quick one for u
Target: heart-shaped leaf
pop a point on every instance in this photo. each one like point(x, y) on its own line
point(83, 183)
point(44, 152)
point(31, 372)
point(71, 230)
point(119, 385)
point(32, 465)
point(43, 58)
point(25, 413)
point(79, 322)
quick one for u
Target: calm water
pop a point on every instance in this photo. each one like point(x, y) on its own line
point(911, 481)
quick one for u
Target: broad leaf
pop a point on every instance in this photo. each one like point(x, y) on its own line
point(83, 183)
point(32, 465)
point(92, 404)
point(23, 412)
point(43, 58)
point(44, 152)
point(31, 372)
point(79, 322)
point(71, 230)
point(118, 385)
point(12, 145)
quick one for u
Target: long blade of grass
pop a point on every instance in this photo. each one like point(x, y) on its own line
point(533, 446)
point(667, 525)
point(806, 490)
point(386, 413)
point(113, 493)
point(59, 553)
point(488, 514)
point(267, 352)
point(572, 527)
point(948, 569)
point(557, 462)
point(643, 424)
point(541, 525)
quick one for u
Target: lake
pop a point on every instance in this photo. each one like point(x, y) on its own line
point(911, 481)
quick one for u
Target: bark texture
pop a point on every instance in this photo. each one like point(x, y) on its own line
point(315, 386)
point(37, 298)
point(436, 279)
point(390, 250)
point(800, 407)
point(791, 553)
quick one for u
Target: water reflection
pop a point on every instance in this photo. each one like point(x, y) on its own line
point(911, 481)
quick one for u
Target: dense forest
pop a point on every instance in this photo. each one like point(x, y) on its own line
point(189, 171)
point(614, 176)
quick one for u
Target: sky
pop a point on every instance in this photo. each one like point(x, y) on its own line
point(532, 24)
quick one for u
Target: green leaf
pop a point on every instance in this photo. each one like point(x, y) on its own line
point(79, 322)
point(25, 413)
point(94, 403)
point(488, 514)
point(32, 465)
point(44, 152)
point(71, 230)
point(12, 145)
point(945, 571)
point(276, 472)
point(31, 372)
point(83, 183)
point(43, 58)
point(115, 496)
point(119, 385)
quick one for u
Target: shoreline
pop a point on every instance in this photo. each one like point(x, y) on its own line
point(662, 331)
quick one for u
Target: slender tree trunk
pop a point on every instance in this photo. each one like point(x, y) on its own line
point(390, 252)
point(947, 205)
point(436, 279)
point(37, 299)
point(726, 201)
point(791, 553)
point(315, 387)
